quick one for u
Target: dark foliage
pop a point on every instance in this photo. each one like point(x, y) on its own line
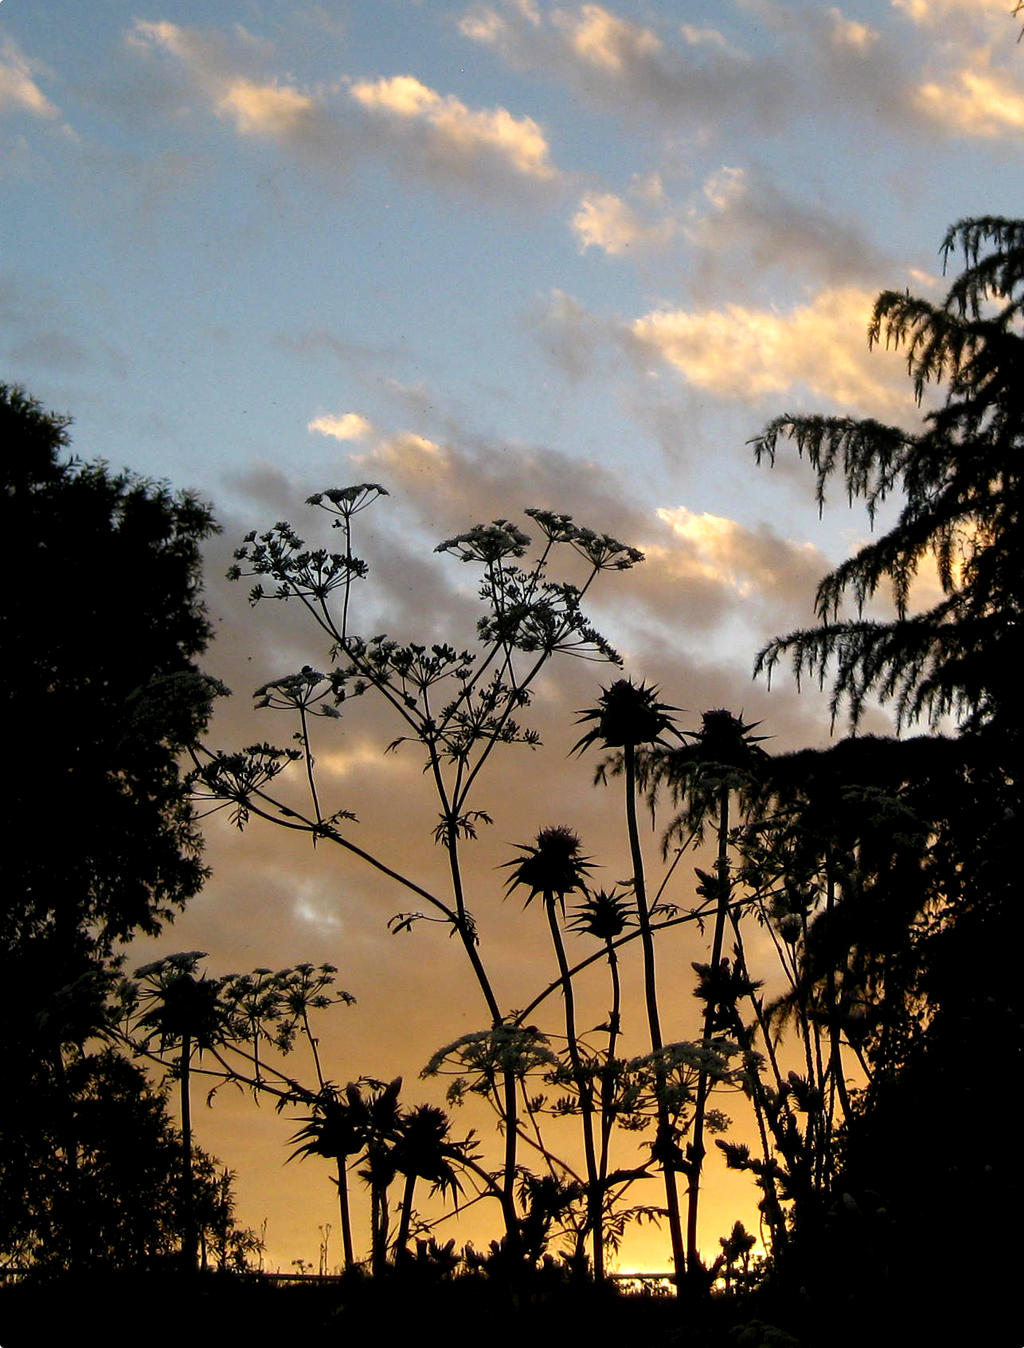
point(915, 957)
point(90, 1175)
point(100, 622)
point(101, 626)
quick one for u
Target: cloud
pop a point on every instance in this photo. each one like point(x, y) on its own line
point(435, 135)
point(276, 112)
point(859, 37)
point(750, 354)
point(742, 209)
point(615, 63)
point(408, 455)
point(573, 337)
point(19, 91)
point(453, 133)
point(349, 426)
point(603, 220)
point(603, 40)
point(970, 81)
point(940, 12)
point(260, 108)
point(751, 562)
point(975, 102)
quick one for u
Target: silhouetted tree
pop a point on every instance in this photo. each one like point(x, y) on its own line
point(101, 626)
point(129, 1178)
point(960, 481)
point(100, 694)
point(922, 922)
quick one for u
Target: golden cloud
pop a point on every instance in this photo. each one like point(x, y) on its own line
point(941, 11)
point(977, 102)
point(409, 453)
point(849, 33)
point(18, 89)
point(271, 110)
point(747, 353)
point(747, 561)
point(456, 129)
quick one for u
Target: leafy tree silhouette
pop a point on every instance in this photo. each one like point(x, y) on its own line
point(960, 480)
point(129, 1179)
point(99, 835)
point(932, 960)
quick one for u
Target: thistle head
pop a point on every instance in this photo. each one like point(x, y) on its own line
point(627, 714)
point(604, 914)
point(552, 865)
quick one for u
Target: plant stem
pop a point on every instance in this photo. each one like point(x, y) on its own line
point(665, 1138)
point(583, 1085)
point(697, 1150)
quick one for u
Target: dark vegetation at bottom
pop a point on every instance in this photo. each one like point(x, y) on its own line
point(545, 1306)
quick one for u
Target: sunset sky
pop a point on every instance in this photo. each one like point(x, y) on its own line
point(492, 256)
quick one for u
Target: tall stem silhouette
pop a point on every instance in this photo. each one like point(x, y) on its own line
point(583, 1085)
point(664, 1144)
point(697, 1149)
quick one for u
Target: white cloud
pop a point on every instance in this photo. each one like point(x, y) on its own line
point(750, 354)
point(349, 426)
point(605, 221)
point(703, 37)
point(264, 108)
point(455, 131)
point(435, 135)
point(483, 25)
point(19, 91)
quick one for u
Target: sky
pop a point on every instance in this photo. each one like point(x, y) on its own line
point(492, 256)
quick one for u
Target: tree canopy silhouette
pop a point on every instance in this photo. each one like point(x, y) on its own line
point(101, 624)
point(914, 957)
point(959, 478)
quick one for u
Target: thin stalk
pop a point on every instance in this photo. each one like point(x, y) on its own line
point(697, 1150)
point(665, 1137)
point(607, 1077)
point(405, 1218)
point(190, 1236)
point(583, 1085)
point(773, 1208)
point(341, 1180)
point(308, 761)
